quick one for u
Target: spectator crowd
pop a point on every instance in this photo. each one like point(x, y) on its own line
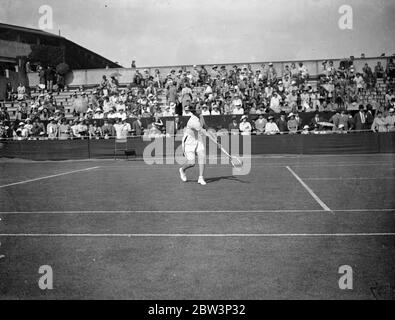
point(265, 102)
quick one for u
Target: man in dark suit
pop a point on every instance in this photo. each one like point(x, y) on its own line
point(360, 119)
point(369, 117)
point(314, 122)
point(137, 126)
point(282, 123)
point(234, 126)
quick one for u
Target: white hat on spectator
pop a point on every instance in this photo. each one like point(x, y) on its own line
point(89, 110)
point(291, 115)
point(243, 117)
point(172, 104)
point(51, 118)
point(21, 124)
point(98, 110)
point(341, 126)
point(270, 63)
point(150, 96)
point(306, 127)
point(391, 110)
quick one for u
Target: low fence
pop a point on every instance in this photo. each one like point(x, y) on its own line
point(353, 143)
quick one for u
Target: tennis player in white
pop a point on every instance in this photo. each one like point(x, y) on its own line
point(193, 144)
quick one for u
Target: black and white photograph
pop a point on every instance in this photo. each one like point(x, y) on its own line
point(197, 155)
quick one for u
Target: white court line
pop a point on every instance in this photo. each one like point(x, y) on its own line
point(146, 235)
point(47, 177)
point(392, 210)
point(261, 165)
point(316, 198)
point(350, 178)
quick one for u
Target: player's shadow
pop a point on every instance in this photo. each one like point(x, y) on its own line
point(232, 178)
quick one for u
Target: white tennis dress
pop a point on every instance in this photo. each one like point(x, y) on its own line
point(192, 141)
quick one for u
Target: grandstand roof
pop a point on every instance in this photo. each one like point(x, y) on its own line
point(67, 42)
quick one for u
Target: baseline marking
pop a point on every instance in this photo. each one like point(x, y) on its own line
point(130, 235)
point(350, 178)
point(392, 210)
point(260, 165)
point(47, 177)
point(316, 198)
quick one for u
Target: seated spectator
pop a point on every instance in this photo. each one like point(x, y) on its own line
point(52, 129)
point(275, 102)
point(379, 123)
point(98, 114)
point(215, 111)
point(234, 127)
point(360, 83)
point(21, 133)
point(306, 130)
point(282, 123)
point(138, 126)
point(28, 126)
point(271, 127)
point(64, 130)
point(298, 120)
point(107, 130)
point(360, 119)
point(260, 124)
point(122, 129)
point(38, 128)
point(3, 130)
point(74, 130)
point(168, 112)
point(122, 114)
point(89, 114)
point(82, 128)
point(21, 92)
point(390, 70)
point(303, 72)
point(154, 131)
point(238, 110)
point(95, 131)
point(292, 124)
point(390, 119)
point(205, 111)
point(245, 127)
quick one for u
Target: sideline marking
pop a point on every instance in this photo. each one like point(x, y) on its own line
point(316, 198)
point(47, 177)
point(130, 235)
point(196, 211)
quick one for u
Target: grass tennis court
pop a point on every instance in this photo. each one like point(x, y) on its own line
point(123, 229)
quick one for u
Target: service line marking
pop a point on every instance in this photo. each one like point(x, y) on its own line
point(146, 235)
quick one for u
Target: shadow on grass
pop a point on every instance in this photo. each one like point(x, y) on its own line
point(232, 178)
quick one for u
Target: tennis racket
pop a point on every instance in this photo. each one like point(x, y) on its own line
point(236, 162)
